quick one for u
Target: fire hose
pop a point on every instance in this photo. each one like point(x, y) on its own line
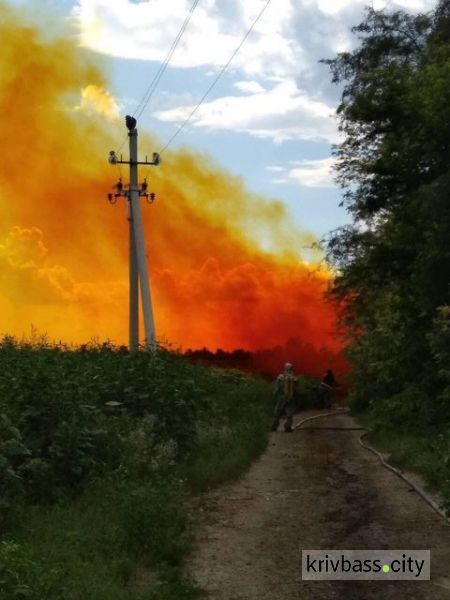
point(344, 411)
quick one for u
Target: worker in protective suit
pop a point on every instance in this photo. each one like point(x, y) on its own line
point(329, 379)
point(327, 388)
point(285, 393)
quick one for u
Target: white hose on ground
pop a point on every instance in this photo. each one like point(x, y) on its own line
point(336, 411)
point(422, 493)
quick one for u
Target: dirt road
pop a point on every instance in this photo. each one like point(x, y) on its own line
point(313, 490)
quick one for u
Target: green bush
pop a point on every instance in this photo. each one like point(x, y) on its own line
point(12, 453)
point(152, 521)
point(98, 451)
point(59, 417)
point(24, 577)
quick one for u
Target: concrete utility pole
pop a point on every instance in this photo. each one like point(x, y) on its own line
point(138, 272)
point(134, 286)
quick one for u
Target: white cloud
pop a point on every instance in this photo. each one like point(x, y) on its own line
point(251, 87)
point(336, 6)
point(314, 173)
point(282, 113)
point(309, 173)
point(285, 93)
point(279, 44)
point(146, 30)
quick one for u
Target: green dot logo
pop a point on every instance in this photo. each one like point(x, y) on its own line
point(386, 569)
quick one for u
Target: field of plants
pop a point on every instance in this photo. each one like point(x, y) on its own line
point(99, 450)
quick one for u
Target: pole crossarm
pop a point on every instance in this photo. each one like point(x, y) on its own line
point(119, 161)
point(139, 162)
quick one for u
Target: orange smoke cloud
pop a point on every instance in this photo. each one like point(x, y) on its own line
point(225, 263)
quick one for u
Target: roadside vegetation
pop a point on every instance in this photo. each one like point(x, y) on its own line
point(392, 264)
point(99, 452)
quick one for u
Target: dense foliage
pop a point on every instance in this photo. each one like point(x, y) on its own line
point(393, 263)
point(98, 450)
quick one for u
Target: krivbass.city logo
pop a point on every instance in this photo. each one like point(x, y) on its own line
point(377, 565)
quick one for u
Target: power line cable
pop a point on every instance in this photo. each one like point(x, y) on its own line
point(162, 68)
point(152, 87)
point(219, 75)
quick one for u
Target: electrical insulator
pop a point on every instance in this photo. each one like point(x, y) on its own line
point(144, 185)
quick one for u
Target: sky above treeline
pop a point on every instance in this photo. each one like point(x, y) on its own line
point(270, 118)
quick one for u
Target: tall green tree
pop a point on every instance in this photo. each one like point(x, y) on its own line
point(393, 263)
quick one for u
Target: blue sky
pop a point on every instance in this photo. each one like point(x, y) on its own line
point(270, 118)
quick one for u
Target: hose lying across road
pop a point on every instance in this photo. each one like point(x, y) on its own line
point(344, 411)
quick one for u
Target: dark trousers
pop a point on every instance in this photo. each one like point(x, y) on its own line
point(284, 408)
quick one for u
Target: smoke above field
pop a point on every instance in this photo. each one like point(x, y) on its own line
point(226, 265)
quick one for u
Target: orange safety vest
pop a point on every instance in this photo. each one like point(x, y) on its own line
point(288, 386)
